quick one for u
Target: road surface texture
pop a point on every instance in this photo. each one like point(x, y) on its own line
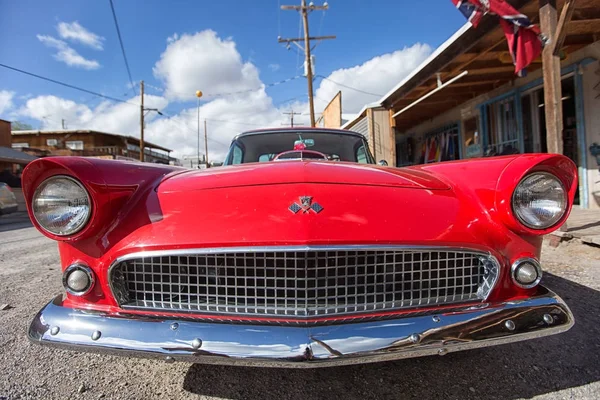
point(566, 366)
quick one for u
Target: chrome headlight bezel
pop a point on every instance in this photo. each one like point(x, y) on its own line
point(518, 264)
point(78, 267)
point(519, 215)
point(36, 214)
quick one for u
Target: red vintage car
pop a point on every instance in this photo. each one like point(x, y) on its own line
point(299, 251)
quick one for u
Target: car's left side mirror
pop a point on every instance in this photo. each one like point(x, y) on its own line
point(383, 163)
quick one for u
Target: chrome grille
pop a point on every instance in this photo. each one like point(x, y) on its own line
point(302, 282)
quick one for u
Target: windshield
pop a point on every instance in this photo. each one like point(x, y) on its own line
point(264, 147)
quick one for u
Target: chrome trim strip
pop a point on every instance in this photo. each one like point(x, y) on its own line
point(297, 346)
point(260, 249)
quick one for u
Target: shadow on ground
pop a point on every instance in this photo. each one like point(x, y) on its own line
point(18, 220)
point(524, 369)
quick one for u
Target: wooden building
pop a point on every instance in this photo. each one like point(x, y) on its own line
point(11, 159)
point(88, 143)
point(466, 101)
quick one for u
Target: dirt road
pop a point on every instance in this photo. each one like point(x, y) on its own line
point(566, 366)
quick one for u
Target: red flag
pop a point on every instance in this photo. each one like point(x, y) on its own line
point(523, 39)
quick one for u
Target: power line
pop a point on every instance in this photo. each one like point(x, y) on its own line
point(348, 87)
point(265, 85)
point(211, 120)
point(66, 85)
point(279, 103)
point(112, 7)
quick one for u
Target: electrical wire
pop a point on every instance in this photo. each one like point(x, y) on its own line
point(266, 85)
point(297, 49)
point(67, 85)
point(321, 23)
point(112, 7)
point(348, 87)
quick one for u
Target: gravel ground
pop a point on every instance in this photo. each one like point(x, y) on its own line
point(566, 366)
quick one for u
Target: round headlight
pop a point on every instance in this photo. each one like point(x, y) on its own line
point(61, 205)
point(539, 201)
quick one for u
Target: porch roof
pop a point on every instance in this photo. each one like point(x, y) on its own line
point(483, 52)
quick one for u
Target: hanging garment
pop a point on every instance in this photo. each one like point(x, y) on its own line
point(451, 155)
point(524, 43)
point(430, 150)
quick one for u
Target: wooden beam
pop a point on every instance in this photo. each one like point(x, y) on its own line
point(434, 91)
point(551, 74)
point(561, 31)
point(491, 70)
point(392, 162)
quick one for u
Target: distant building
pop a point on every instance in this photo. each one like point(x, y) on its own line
point(11, 159)
point(88, 143)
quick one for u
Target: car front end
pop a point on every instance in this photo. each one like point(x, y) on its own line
point(299, 263)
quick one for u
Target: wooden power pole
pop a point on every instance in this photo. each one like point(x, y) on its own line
point(552, 81)
point(206, 143)
point(291, 114)
point(142, 121)
point(304, 10)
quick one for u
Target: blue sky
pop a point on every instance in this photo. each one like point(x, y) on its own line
point(366, 31)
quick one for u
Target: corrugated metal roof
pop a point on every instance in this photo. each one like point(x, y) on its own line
point(14, 156)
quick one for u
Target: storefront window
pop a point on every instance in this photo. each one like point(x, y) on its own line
point(440, 145)
point(503, 132)
point(471, 138)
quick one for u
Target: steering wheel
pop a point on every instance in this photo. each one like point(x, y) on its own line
point(300, 155)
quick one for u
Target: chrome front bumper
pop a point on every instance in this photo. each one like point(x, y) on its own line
point(302, 346)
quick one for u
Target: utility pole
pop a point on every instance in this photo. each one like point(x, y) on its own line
point(142, 122)
point(64, 126)
point(206, 143)
point(304, 10)
point(291, 114)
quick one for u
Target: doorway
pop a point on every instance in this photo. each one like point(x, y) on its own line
point(534, 122)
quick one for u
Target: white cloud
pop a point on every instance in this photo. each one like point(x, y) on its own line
point(121, 118)
point(173, 38)
point(378, 75)
point(77, 33)
point(274, 67)
point(205, 62)
point(226, 117)
point(6, 100)
point(67, 54)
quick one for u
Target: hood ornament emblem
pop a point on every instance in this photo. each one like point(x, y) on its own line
point(306, 205)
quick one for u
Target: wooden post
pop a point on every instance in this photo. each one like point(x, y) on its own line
point(206, 143)
point(561, 30)
point(552, 84)
point(371, 129)
point(392, 162)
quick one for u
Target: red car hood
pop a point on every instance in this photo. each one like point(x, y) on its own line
point(301, 172)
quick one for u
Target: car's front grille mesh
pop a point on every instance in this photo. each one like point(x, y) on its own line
point(303, 282)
